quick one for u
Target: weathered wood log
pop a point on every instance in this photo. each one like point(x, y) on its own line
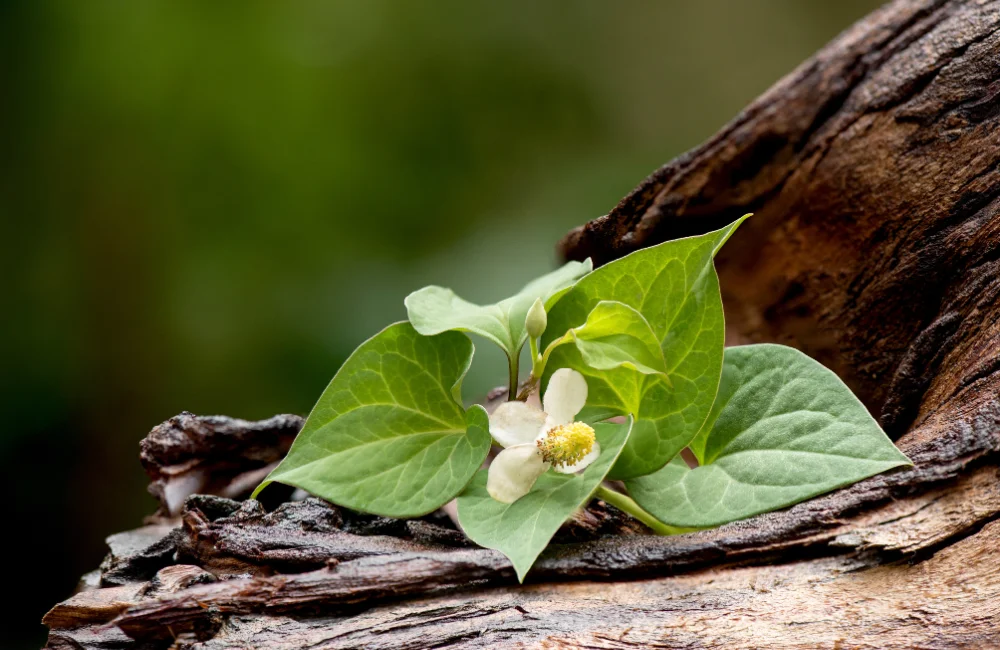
point(951, 600)
point(874, 174)
point(215, 455)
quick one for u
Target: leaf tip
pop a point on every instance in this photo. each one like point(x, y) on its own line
point(411, 297)
point(905, 461)
point(521, 570)
point(727, 232)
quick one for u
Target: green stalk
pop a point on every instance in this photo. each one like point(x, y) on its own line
point(626, 504)
point(512, 361)
point(535, 359)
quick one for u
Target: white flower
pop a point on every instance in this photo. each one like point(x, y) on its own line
point(536, 440)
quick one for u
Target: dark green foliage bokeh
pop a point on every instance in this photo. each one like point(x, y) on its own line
point(208, 205)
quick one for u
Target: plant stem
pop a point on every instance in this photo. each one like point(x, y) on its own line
point(533, 345)
point(625, 503)
point(530, 384)
point(512, 361)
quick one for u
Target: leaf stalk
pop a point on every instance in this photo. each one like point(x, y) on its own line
point(512, 363)
point(627, 505)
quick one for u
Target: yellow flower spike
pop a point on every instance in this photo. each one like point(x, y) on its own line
point(567, 444)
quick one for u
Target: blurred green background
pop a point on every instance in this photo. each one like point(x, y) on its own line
point(208, 205)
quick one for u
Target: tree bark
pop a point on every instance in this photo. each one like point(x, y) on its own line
point(873, 171)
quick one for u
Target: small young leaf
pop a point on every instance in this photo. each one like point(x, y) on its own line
point(521, 530)
point(433, 310)
point(787, 429)
point(675, 288)
point(616, 335)
point(387, 436)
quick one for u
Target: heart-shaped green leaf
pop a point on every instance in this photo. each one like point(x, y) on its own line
point(522, 529)
point(388, 435)
point(615, 335)
point(675, 288)
point(728, 383)
point(787, 429)
point(433, 310)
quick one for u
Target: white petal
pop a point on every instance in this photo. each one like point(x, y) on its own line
point(565, 396)
point(516, 423)
point(581, 464)
point(514, 471)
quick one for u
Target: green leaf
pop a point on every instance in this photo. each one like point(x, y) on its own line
point(675, 288)
point(787, 429)
point(521, 530)
point(388, 435)
point(615, 335)
point(728, 384)
point(592, 414)
point(433, 310)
